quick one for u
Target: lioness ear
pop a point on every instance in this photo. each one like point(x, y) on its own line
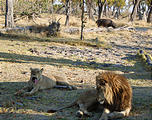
point(41, 69)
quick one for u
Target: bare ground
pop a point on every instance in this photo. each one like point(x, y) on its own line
point(80, 64)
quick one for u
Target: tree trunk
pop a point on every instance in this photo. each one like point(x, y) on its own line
point(67, 12)
point(113, 11)
point(52, 10)
point(58, 10)
point(77, 8)
point(117, 13)
point(99, 9)
point(101, 6)
point(134, 11)
point(149, 19)
point(82, 20)
point(9, 20)
point(89, 9)
point(139, 11)
point(104, 9)
point(51, 7)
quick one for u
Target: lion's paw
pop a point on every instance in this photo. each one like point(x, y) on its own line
point(79, 113)
point(89, 114)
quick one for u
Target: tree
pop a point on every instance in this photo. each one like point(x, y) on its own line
point(67, 10)
point(149, 19)
point(141, 10)
point(101, 6)
point(82, 19)
point(89, 9)
point(116, 7)
point(52, 9)
point(9, 20)
point(134, 11)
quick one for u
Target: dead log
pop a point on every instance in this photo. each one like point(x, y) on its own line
point(146, 59)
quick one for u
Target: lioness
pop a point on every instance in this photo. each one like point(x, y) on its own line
point(115, 93)
point(86, 102)
point(39, 82)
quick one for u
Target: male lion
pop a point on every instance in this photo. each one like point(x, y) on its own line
point(86, 102)
point(39, 82)
point(115, 93)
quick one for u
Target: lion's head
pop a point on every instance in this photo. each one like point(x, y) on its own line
point(103, 88)
point(113, 90)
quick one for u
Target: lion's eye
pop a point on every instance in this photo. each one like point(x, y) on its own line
point(97, 88)
point(102, 83)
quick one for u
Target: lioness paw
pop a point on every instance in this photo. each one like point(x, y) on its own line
point(27, 94)
point(18, 93)
point(104, 117)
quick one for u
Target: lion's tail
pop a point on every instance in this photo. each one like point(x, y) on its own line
point(59, 109)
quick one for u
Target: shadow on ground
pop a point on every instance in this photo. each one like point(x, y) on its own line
point(35, 107)
point(143, 29)
point(131, 71)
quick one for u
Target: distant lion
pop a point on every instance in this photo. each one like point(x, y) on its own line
point(39, 82)
point(105, 23)
point(115, 93)
point(86, 102)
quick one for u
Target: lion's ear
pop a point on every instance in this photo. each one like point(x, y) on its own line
point(100, 73)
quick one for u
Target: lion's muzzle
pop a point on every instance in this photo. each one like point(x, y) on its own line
point(100, 99)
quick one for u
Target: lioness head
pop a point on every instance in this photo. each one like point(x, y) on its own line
point(36, 74)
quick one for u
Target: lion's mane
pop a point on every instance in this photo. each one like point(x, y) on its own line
point(118, 92)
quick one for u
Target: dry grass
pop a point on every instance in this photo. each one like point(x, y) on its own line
point(16, 59)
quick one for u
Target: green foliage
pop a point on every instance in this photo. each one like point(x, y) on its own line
point(148, 2)
point(116, 3)
point(28, 7)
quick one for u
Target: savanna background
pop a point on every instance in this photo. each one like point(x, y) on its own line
point(101, 49)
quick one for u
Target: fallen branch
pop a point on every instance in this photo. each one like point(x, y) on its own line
point(15, 29)
point(146, 59)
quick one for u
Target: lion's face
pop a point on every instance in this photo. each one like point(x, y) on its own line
point(101, 88)
point(36, 74)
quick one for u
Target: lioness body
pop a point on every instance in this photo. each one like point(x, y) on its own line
point(40, 82)
point(86, 102)
point(115, 93)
